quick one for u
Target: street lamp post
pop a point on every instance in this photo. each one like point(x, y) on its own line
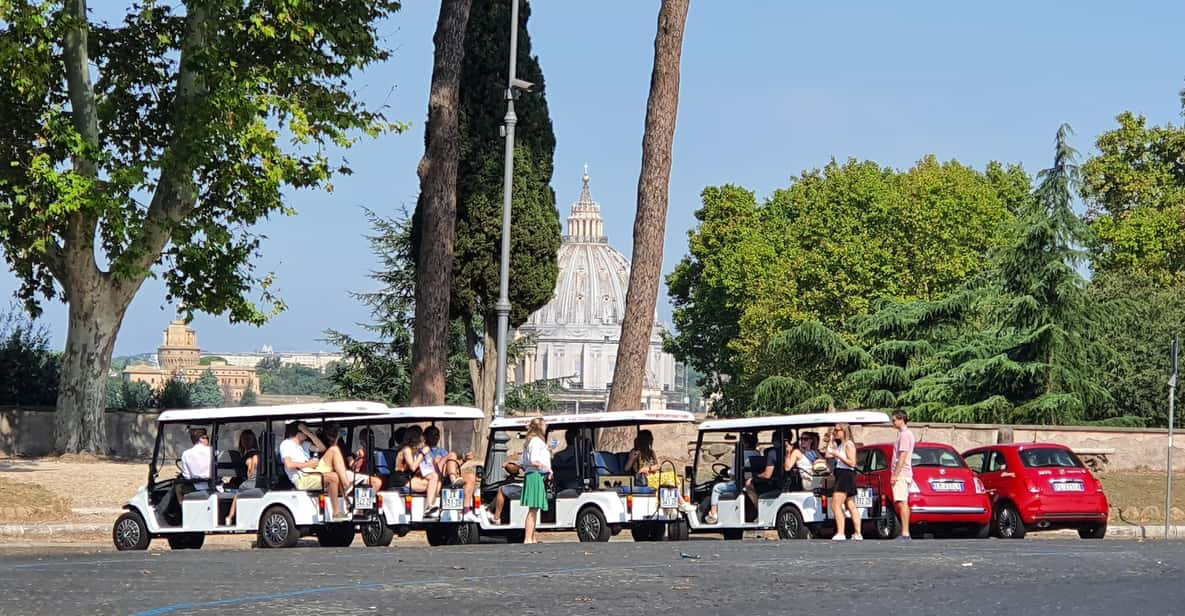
point(503, 306)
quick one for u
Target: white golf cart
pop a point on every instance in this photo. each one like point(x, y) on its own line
point(591, 492)
point(399, 509)
point(798, 508)
point(184, 511)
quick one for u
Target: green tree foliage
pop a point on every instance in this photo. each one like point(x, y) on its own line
point(115, 393)
point(175, 394)
point(28, 369)
point(535, 234)
point(157, 141)
point(1135, 187)
point(291, 380)
point(535, 397)
point(1016, 345)
point(380, 369)
point(206, 392)
point(249, 398)
point(209, 359)
point(137, 395)
point(1138, 379)
point(826, 249)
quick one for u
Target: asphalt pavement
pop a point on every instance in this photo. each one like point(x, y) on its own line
point(693, 577)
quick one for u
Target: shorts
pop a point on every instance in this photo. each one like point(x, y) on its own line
point(901, 489)
point(310, 481)
point(845, 481)
point(513, 491)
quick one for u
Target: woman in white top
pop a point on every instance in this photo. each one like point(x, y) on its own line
point(537, 463)
point(842, 450)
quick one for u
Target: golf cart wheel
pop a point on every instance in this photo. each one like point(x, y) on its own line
point(377, 535)
point(277, 529)
point(647, 532)
point(435, 534)
point(591, 525)
point(678, 531)
point(734, 534)
point(1095, 531)
point(1007, 522)
point(336, 536)
point(790, 524)
point(130, 532)
point(888, 526)
point(187, 541)
point(466, 533)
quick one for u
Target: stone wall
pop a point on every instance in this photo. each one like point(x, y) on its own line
point(29, 432)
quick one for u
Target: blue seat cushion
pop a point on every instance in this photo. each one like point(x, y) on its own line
point(384, 460)
point(607, 463)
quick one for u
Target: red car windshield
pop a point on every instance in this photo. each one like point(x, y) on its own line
point(936, 456)
point(1043, 457)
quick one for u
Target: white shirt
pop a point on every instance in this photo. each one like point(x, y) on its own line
point(291, 450)
point(195, 462)
point(536, 451)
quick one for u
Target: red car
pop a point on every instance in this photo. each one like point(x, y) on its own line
point(946, 497)
point(1039, 486)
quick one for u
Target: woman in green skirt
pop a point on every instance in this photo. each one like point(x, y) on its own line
point(537, 463)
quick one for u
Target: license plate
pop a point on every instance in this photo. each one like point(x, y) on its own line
point(452, 499)
point(863, 498)
point(364, 498)
point(1068, 486)
point(668, 498)
point(946, 486)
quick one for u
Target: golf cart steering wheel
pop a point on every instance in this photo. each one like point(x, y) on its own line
point(723, 472)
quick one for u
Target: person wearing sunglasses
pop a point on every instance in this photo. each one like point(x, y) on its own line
point(842, 451)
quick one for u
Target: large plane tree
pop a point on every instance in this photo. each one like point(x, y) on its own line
point(152, 145)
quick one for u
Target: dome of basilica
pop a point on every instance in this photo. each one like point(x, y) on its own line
point(573, 339)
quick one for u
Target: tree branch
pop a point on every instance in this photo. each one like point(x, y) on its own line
point(175, 195)
point(77, 255)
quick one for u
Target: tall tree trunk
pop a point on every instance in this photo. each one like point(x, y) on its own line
point(96, 311)
point(438, 209)
point(650, 220)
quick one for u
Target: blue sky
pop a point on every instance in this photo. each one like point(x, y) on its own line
point(769, 88)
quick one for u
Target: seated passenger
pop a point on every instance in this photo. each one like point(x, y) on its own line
point(507, 492)
point(415, 461)
point(249, 449)
point(807, 453)
point(564, 462)
point(749, 443)
point(642, 460)
point(333, 460)
point(449, 465)
point(195, 461)
point(302, 471)
point(766, 480)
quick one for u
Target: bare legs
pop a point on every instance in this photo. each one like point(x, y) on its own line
point(529, 534)
point(431, 486)
point(855, 511)
point(333, 487)
point(903, 511)
point(838, 500)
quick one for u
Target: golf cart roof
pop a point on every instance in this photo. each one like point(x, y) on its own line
point(794, 421)
point(411, 414)
point(607, 419)
point(347, 408)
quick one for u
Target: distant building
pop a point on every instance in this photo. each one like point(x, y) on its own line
point(315, 360)
point(573, 339)
point(180, 356)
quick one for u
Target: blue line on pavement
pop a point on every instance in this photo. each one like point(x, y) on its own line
point(281, 595)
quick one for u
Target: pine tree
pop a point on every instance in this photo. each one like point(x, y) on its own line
point(206, 392)
point(249, 398)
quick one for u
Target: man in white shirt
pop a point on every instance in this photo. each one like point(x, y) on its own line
point(195, 461)
point(301, 470)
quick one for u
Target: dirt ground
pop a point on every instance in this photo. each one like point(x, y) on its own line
point(1138, 496)
point(89, 489)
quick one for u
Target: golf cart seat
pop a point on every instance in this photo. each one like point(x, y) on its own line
point(636, 490)
point(197, 495)
point(384, 461)
point(568, 493)
point(608, 463)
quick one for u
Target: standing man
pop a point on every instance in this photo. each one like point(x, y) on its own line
point(902, 469)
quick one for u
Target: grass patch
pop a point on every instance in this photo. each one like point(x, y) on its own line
point(29, 502)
